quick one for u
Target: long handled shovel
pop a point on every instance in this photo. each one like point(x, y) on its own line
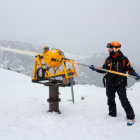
point(98, 68)
point(111, 71)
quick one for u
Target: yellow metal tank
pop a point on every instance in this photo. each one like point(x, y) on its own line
point(53, 58)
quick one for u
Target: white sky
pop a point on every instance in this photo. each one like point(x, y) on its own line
point(77, 26)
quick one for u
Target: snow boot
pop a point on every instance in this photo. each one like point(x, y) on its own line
point(130, 122)
point(112, 114)
point(112, 111)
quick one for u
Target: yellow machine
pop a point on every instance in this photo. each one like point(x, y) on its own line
point(53, 59)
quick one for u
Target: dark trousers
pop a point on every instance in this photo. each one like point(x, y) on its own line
point(110, 92)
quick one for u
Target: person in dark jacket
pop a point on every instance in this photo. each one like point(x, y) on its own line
point(117, 83)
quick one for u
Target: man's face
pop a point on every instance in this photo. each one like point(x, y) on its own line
point(110, 50)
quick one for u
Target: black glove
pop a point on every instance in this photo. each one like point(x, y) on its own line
point(138, 77)
point(92, 67)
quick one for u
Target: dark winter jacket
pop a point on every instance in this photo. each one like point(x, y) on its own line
point(120, 64)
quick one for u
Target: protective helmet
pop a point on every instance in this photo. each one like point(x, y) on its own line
point(46, 48)
point(115, 45)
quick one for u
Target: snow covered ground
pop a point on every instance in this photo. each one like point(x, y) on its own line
point(23, 112)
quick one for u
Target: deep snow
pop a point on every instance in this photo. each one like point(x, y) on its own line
point(23, 112)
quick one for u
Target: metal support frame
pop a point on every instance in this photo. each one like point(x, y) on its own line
point(48, 74)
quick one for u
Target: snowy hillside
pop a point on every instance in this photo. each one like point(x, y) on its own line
point(25, 64)
point(23, 112)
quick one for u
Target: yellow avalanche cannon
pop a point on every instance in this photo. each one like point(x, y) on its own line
point(47, 68)
point(52, 59)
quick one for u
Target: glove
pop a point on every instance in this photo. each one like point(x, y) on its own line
point(92, 67)
point(138, 77)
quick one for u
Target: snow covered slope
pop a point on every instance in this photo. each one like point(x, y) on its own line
point(23, 112)
point(25, 64)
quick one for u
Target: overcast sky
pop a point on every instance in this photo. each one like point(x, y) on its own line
point(77, 26)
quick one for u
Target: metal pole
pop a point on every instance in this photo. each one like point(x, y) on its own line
point(114, 72)
point(72, 92)
point(54, 99)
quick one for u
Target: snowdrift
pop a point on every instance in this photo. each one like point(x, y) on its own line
point(23, 112)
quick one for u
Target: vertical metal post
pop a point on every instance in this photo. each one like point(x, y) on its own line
point(54, 99)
